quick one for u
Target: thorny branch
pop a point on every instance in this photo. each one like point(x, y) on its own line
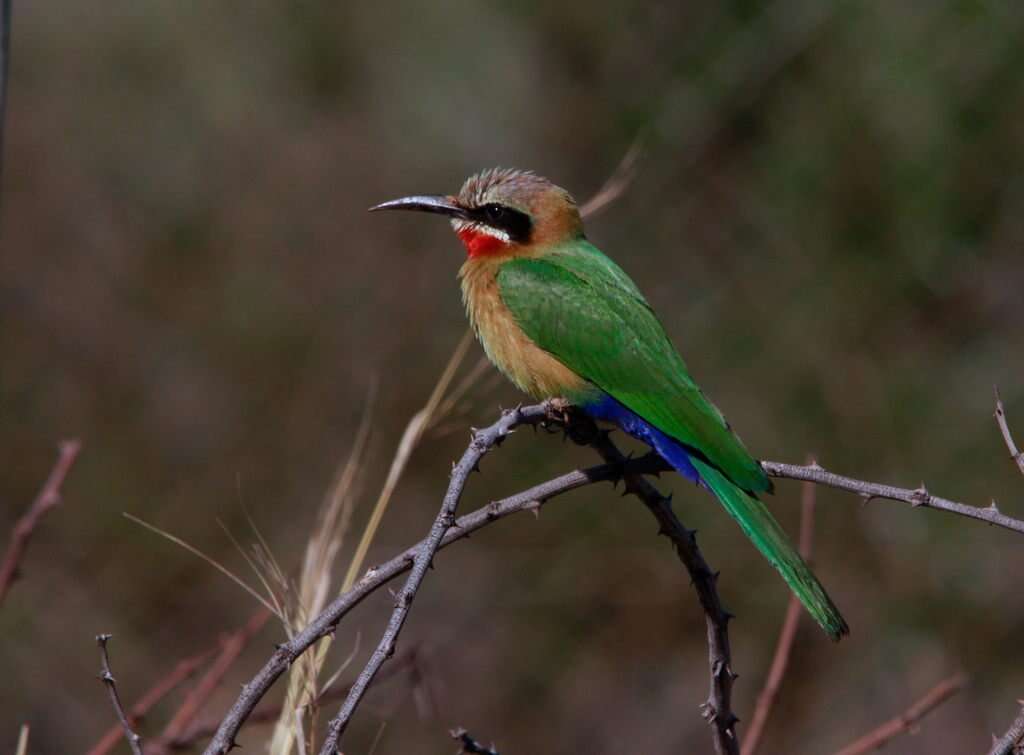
point(47, 498)
point(908, 719)
point(134, 740)
point(919, 497)
point(164, 686)
point(717, 708)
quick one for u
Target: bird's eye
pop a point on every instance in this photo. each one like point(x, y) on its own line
point(494, 212)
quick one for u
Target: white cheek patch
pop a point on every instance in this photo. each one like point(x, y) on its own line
point(461, 225)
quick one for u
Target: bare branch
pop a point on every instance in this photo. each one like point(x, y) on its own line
point(469, 745)
point(134, 740)
point(777, 670)
point(919, 497)
point(1014, 736)
point(1004, 428)
point(908, 719)
point(163, 687)
point(47, 498)
point(717, 708)
point(617, 183)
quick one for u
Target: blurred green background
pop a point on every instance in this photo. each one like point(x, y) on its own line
point(829, 218)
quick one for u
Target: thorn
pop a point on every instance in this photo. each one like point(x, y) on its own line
point(107, 677)
point(492, 511)
point(994, 506)
point(279, 646)
point(815, 466)
point(920, 497)
point(476, 466)
point(727, 616)
point(533, 506)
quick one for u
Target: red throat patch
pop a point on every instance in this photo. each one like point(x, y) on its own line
point(480, 244)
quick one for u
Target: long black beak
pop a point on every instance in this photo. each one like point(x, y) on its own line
point(440, 205)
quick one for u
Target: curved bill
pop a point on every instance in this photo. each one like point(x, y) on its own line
point(440, 205)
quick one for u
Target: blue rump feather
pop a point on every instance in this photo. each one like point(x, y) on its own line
point(608, 409)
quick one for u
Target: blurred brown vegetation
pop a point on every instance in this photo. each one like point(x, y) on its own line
point(829, 219)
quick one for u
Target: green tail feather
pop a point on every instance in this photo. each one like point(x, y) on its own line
point(766, 533)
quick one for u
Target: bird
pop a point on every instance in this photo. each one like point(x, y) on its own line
point(563, 321)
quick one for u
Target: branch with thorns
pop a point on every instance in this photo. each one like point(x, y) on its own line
point(448, 529)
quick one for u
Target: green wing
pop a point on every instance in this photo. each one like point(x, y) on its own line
point(578, 305)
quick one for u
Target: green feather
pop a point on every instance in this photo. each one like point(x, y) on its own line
point(578, 305)
point(764, 531)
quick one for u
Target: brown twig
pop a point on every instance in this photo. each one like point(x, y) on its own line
point(47, 498)
point(1004, 428)
point(906, 720)
point(469, 745)
point(1014, 736)
point(134, 740)
point(780, 660)
point(617, 183)
point(231, 647)
point(182, 671)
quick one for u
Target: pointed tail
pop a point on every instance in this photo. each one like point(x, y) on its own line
point(760, 526)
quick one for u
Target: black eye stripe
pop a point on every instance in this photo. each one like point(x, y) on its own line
point(515, 223)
